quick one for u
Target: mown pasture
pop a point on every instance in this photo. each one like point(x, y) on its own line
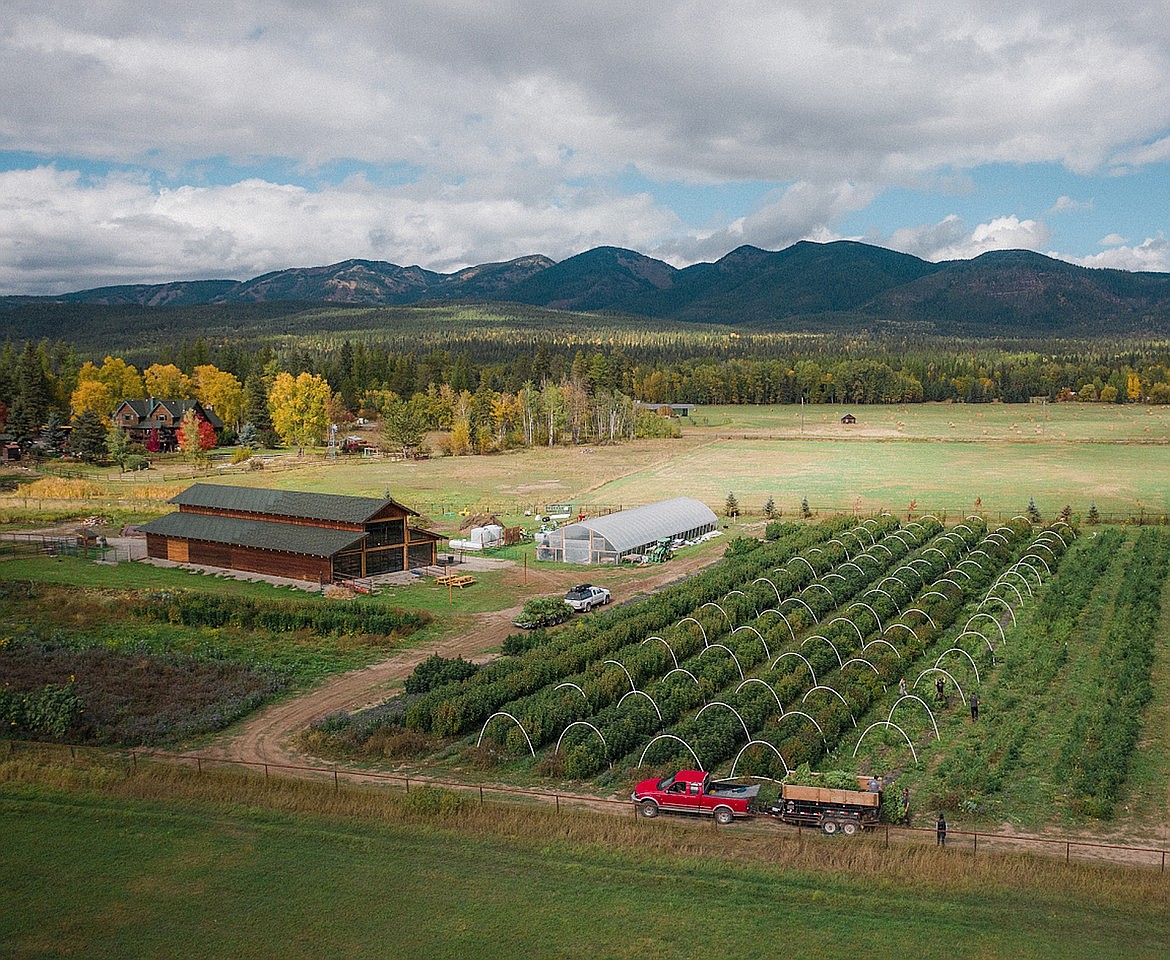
point(103, 861)
point(943, 456)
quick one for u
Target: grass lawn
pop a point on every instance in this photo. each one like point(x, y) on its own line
point(89, 873)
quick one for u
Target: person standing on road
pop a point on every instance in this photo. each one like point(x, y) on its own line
point(940, 689)
point(940, 829)
point(974, 706)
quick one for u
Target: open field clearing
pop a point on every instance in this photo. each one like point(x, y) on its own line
point(943, 456)
point(1068, 422)
point(867, 477)
point(101, 864)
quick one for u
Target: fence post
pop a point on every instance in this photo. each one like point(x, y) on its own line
point(199, 764)
point(558, 797)
point(408, 784)
point(976, 849)
point(265, 771)
point(1067, 849)
point(481, 796)
point(336, 786)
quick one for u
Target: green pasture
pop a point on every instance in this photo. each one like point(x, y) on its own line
point(87, 874)
point(944, 456)
point(839, 476)
point(1069, 422)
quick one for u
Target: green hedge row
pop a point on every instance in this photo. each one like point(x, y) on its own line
point(199, 609)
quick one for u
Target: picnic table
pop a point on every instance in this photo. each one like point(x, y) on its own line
point(455, 580)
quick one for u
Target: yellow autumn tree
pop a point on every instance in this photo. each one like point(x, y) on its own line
point(297, 406)
point(219, 390)
point(1133, 386)
point(166, 381)
point(123, 379)
point(92, 396)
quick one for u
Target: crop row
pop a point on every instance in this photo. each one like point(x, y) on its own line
point(749, 709)
point(459, 708)
point(1105, 729)
point(872, 651)
point(700, 647)
point(1038, 659)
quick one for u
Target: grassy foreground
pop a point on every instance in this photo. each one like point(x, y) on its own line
point(161, 863)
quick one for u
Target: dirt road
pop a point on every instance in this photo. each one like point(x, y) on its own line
point(268, 736)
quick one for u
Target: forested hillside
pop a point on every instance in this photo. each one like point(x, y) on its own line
point(810, 287)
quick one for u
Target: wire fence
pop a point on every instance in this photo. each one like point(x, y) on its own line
point(98, 549)
point(970, 842)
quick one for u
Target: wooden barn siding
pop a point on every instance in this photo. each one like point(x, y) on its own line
point(274, 564)
point(247, 559)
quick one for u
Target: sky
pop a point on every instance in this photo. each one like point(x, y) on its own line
point(172, 141)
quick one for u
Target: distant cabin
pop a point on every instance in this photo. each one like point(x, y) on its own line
point(676, 409)
point(849, 418)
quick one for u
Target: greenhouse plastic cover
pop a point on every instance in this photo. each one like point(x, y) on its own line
point(643, 525)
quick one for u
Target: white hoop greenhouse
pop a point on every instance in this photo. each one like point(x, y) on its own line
point(608, 539)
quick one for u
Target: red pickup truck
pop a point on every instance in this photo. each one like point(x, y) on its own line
point(829, 809)
point(693, 791)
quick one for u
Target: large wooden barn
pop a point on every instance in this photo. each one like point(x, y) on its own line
point(320, 537)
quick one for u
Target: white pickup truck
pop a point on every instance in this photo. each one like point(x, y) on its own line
point(584, 597)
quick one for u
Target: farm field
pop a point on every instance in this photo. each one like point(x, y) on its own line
point(947, 477)
point(793, 652)
point(1067, 422)
point(943, 456)
point(100, 864)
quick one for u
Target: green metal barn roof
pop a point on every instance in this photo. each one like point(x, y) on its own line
point(285, 503)
point(642, 525)
point(260, 534)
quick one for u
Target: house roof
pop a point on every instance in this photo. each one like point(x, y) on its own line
point(259, 534)
point(286, 503)
point(145, 409)
point(642, 525)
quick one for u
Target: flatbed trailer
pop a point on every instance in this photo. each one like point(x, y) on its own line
point(830, 810)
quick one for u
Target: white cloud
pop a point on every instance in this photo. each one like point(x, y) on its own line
point(952, 239)
point(1113, 240)
point(508, 113)
point(800, 211)
point(1153, 253)
point(802, 90)
point(1065, 204)
point(58, 233)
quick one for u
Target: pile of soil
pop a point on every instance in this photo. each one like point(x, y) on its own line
point(477, 520)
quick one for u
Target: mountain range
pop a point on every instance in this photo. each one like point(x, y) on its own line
point(807, 286)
